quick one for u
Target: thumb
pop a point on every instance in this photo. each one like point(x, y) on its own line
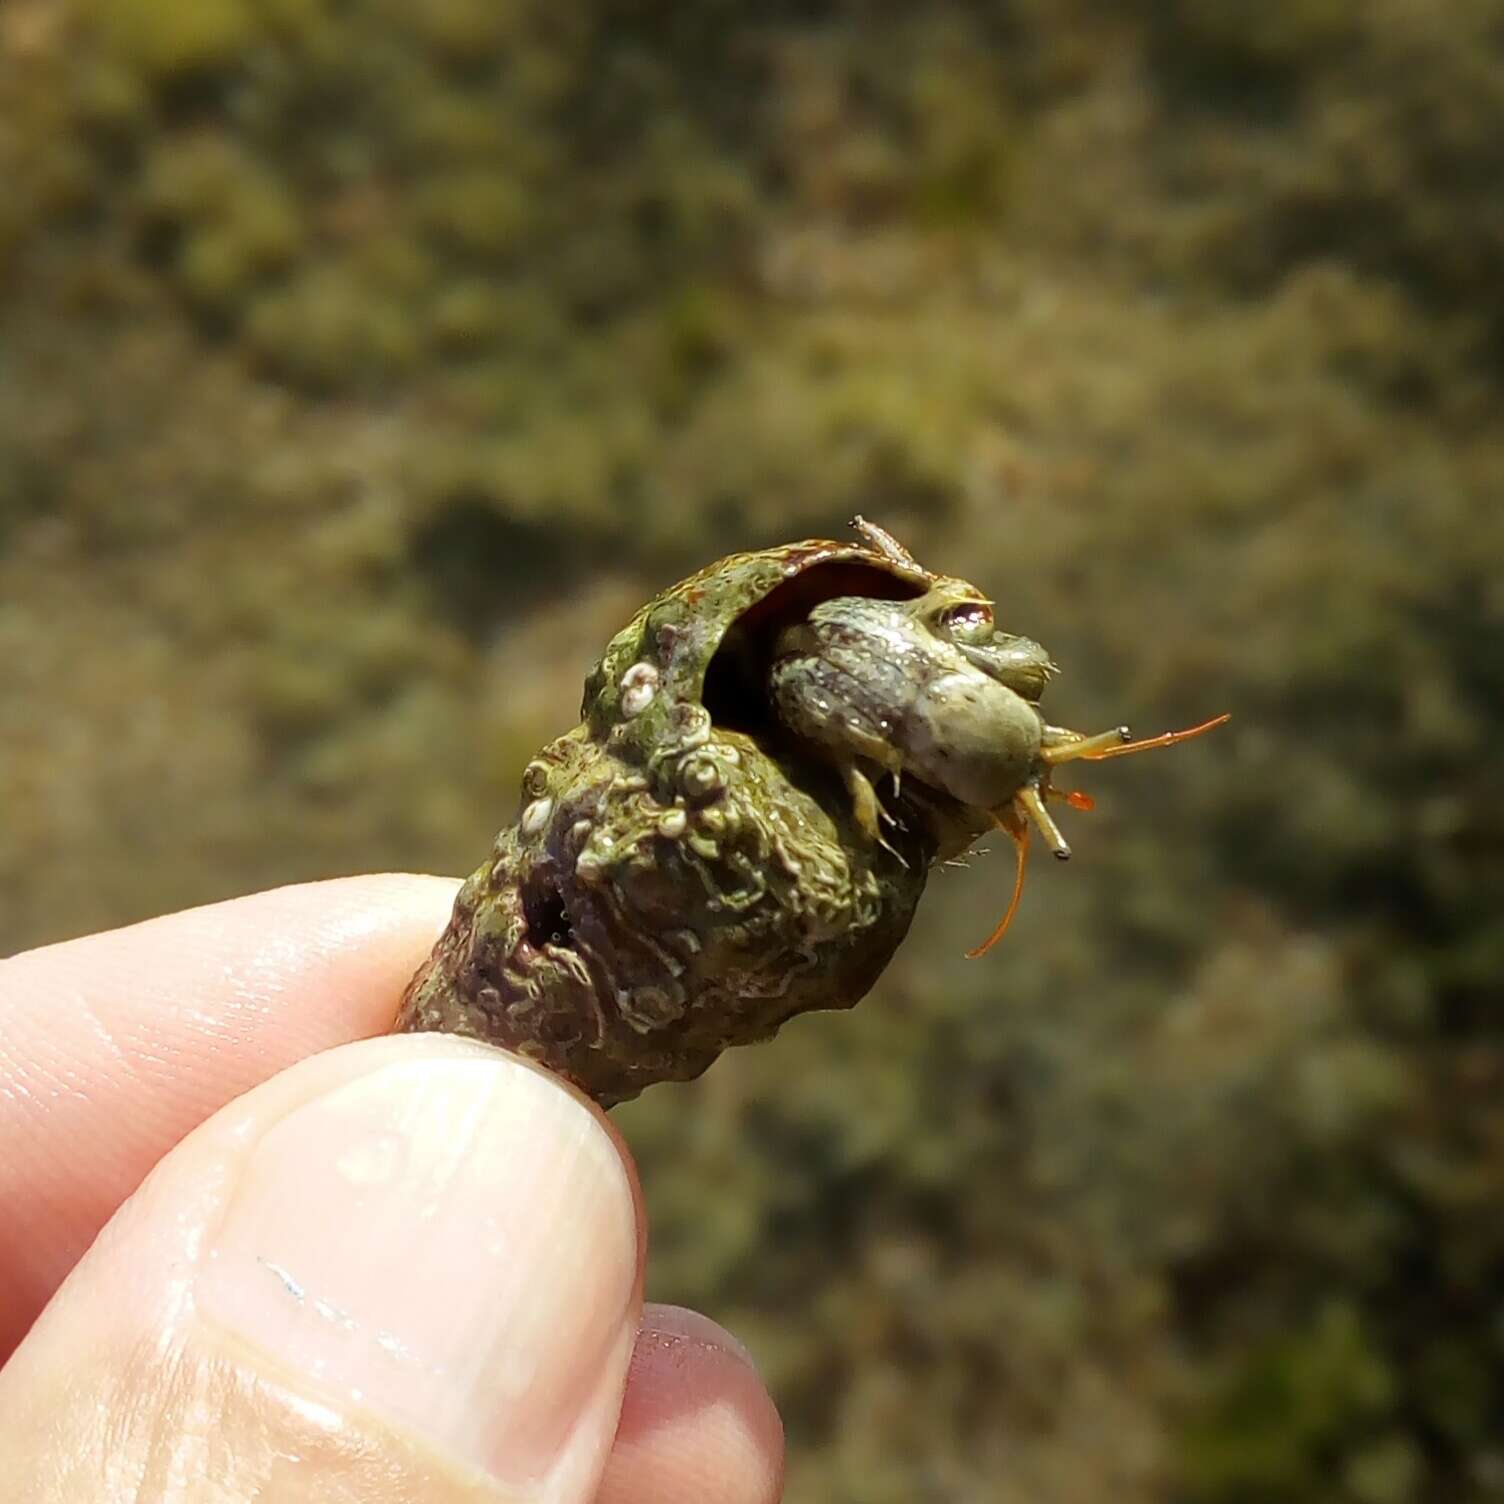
point(408, 1268)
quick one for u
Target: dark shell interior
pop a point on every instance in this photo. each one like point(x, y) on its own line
point(735, 689)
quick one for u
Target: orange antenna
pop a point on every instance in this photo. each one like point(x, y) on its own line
point(1030, 803)
point(1009, 821)
point(1165, 739)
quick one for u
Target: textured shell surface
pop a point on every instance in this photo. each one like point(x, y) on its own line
point(707, 854)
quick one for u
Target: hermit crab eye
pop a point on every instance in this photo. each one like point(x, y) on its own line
point(970, 623)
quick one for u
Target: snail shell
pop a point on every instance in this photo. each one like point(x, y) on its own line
point(685, 872)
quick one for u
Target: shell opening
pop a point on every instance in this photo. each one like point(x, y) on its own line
point(736, 678)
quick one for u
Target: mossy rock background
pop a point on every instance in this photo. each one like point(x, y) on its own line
point(363, 365)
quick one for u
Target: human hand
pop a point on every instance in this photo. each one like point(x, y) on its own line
point(395, 1269)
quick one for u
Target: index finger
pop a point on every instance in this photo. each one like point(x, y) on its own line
point(115, 1046)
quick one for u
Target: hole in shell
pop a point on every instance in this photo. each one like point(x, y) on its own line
point(547, 917)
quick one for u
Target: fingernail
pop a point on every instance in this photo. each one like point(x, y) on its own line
point(449, 1242)
point(677, 1326)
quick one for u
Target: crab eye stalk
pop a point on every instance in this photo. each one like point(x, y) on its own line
point(969, 624)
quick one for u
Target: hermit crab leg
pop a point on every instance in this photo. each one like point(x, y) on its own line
point(868, 808)
point(865, 804)
point(1008, 819)
point(1034, 806)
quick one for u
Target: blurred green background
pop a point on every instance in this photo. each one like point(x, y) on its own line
point(364, 363)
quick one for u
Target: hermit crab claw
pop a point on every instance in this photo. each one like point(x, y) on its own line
point(1031, 803)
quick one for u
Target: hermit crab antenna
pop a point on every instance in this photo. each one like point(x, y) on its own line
point(1073, 745)
point(1008, 819)
point(1031, 803)
point(1149, 743)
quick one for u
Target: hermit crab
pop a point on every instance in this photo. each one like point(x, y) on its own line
point(771, 756)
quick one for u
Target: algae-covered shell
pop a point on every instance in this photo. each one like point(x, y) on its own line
point(681, 877)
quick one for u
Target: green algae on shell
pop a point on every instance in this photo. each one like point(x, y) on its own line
point(680, 877)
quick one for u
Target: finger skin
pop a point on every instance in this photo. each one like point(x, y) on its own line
point(697, 1423)
point(113, 1047)
point(182, 1362)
